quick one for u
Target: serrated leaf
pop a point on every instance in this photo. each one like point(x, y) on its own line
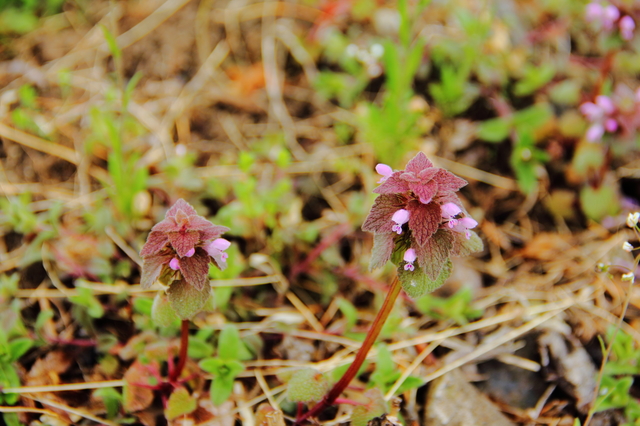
point(464, 247)
point(186, 299)
point(180, 403)
point(416, 283)
point(383, 245)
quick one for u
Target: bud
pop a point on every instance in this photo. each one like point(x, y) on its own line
point(632, 219)
point(627, 247)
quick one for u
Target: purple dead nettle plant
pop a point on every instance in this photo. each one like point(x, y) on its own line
point(419, 223)
point(178, 252)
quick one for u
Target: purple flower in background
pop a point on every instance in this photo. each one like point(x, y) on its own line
point(599, 114)
point(180, 242)
point(605, 16)
point(626, 26)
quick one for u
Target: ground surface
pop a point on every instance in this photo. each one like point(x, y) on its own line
point(269, 119)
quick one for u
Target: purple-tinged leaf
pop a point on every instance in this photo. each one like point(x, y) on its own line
point(183, 241)
point(427, 174)
point(166, 225)
point(409, 177)
point(151, 269)
point(393, 185)
point(181, 205)
point(156, 241)
point(186, 299)
point(433, 256)
point(424, 221)
point(379, 218)
point(418, 163)
point(383, 245)
point(195, 269)
point(212, 233)
point(447, 181)
point(424, 192)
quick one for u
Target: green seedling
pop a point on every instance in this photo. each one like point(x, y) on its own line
point(226, 366)
point(457, 307)
point(386, 373)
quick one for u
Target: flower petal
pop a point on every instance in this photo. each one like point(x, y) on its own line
point(195, 269)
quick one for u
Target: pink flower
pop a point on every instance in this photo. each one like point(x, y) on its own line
point(174, 264)
point(626, 26)
point(409, 257)
point(385, 171)
point(216, 249)
point(593, 12)
point(177, 243)
point(400, 218)
point(599, 114)
point(609, 16)
point(450, 210)
point(463, 225)
point(595, 132)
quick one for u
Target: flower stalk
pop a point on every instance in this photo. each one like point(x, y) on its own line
point(369, 340)
point(182, 357)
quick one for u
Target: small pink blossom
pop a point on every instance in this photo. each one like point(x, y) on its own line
point(626, 26)
point(400, 218)
point(385, 171)
point(174, 264)
point(463, 225)
point(450, 210)
point(593, 12)
point(190, 252)
point(595, 132)
point(611, 125)
point(216, 249)
point(591, 111)
point(409, 257)
point(606, 104)
point(609, 16)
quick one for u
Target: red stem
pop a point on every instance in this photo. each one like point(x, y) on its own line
point(372, 335)
point(184, 345)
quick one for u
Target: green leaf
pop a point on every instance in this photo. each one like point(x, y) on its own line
point(180, 403)
point(307, 385)
point(416, 283)
point(230, 346)
point(224, 373)
point(349, 311)
point(199, 348)
point(8, 379)
point(111, 399)
point(19, 347)
point(162, 313)
point(597, 203)
point(11, 419)
point(111, 43)
point(186, 300)
point(534, 78)
point(494, 130)
point(528, 120)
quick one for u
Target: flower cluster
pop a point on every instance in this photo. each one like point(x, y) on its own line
point(619, 113)
point(600, 115)
point(369, 58)
point(607, 17)
point(419, 215)
point(181, 246)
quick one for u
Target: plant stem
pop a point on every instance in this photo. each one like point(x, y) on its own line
point(184, 345)
point(372, 335)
